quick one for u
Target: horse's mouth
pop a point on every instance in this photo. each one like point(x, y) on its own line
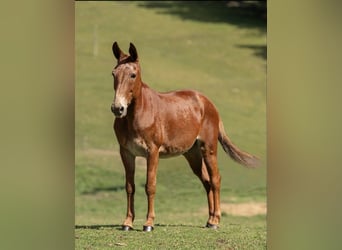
point(119, 116)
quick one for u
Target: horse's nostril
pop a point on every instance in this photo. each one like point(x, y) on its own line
point(118, 111)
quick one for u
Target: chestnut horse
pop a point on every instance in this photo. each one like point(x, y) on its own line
point(154, 125)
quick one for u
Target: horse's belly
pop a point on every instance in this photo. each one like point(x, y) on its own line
point(166, 152)
point(139, 148)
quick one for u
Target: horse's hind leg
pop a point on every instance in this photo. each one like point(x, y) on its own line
point(209, 153)
point(196, 162)
point(129, 163)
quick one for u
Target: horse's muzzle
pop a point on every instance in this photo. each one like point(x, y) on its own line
point(118, 111)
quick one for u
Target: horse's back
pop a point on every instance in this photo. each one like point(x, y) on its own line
point(182, 106)
point(184, 113)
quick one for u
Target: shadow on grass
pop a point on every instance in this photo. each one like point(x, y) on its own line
point(179, 225)
point(241, 14)
point(98, 227)
point(104, 189)
point(119, 227)
point(244, 15)
point(258, 50)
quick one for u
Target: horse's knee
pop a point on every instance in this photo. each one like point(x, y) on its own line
point(150, 189)
point(130, 189)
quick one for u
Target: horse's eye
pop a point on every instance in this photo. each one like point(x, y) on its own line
point(133, 75)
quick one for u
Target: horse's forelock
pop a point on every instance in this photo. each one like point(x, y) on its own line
point(127, 59)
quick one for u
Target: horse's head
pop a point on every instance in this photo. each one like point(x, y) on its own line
point(127, 79)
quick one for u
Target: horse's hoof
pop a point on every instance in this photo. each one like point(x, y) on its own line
point(212, 226)
point(147, 228)
point(126, 228)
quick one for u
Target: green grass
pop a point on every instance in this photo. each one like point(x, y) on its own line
point(239, 233)
point(207, 48)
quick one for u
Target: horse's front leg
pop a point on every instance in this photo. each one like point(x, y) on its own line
point(150, 187)
point(129, 163)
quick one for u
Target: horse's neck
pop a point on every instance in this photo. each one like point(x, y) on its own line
point(144, 100)
point(143, 113)
point(147, 94)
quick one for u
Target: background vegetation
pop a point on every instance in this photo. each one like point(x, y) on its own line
point(216, 49)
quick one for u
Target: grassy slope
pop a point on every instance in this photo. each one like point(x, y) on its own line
point(177, 51)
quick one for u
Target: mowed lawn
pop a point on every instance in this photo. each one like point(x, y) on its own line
point(204, 46)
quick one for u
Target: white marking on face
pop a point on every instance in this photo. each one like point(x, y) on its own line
point(119, 102)
point(129, 67)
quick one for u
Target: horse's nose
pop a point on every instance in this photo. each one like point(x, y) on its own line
point(117, 111)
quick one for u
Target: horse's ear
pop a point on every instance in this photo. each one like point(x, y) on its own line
point(133, 52)
point(117, 51)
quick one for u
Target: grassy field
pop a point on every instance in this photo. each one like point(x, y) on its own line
point(207, 47)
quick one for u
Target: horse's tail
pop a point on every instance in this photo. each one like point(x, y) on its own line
point(234, 152)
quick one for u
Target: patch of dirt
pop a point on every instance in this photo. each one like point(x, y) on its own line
point(244, 209)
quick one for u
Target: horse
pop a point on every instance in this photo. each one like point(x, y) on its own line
point(157, 125)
